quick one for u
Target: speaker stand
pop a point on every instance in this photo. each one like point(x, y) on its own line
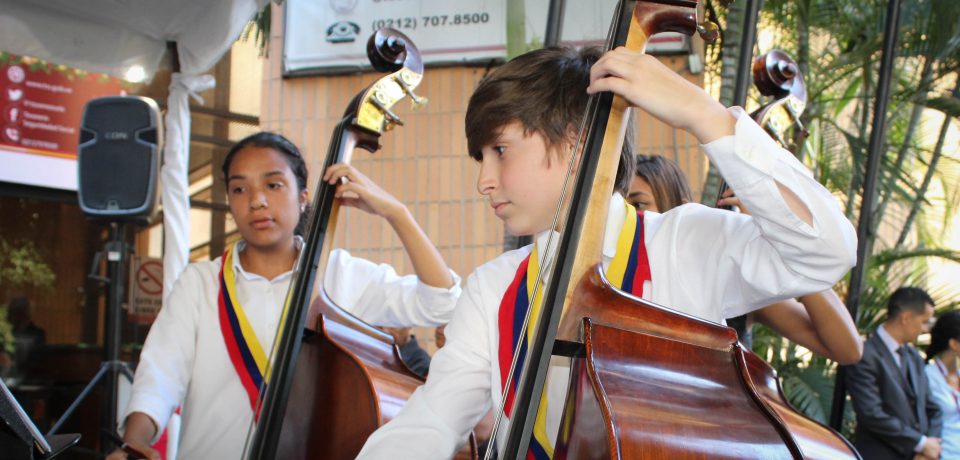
point(117, 254)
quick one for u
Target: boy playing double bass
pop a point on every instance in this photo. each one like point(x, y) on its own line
point(521, 127)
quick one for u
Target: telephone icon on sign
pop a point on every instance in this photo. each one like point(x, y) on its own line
point(342, 32)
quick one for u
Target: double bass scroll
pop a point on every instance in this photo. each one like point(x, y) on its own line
point(777, 75)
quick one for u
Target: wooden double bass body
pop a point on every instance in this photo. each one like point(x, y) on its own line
point(647, 381)
point(335, 381)
point(667, 385)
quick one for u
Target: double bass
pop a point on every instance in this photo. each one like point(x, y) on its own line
point(646, 381)
point(334, 379)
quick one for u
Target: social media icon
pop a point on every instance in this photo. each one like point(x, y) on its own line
point(16, 74)
point(12, 134)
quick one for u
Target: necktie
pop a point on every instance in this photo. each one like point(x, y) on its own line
point(905, 364)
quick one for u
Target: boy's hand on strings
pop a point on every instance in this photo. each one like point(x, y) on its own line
point(358, 191)
point(646, 83)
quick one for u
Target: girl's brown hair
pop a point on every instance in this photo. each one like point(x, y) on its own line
point(669, 184)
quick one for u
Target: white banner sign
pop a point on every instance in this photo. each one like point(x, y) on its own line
point(586, 23)
point(331, 35)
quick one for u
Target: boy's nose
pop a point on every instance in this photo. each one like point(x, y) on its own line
point(486, 180)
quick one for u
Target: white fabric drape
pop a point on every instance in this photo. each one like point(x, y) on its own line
point(175, 195)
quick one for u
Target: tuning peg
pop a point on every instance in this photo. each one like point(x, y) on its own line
point(804, 133)
point(774, 131)
point(392, 118)
point(418, 101)
point(708, 30)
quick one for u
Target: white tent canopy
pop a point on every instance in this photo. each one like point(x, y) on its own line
point(110, 36)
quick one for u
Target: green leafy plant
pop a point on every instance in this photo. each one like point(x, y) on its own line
point(837, 45)
point(259, 29)
point(21, 266)
point(6, 332)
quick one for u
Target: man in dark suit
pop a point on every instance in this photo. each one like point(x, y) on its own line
point(896, 415)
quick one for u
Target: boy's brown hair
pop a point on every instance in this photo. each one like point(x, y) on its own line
point(546, 91)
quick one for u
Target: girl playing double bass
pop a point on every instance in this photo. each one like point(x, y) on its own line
point(207, 349)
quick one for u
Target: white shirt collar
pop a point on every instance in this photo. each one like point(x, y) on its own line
point(240, 245)
point(616, 215)
point(888, 339)
point(545, 256)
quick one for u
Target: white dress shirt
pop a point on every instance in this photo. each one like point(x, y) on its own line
point(891, 343)
point(709, 263)
point(184, 359)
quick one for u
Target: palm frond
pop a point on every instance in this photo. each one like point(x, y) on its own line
point(949, 105)
point(259, 27)
point(804, 398)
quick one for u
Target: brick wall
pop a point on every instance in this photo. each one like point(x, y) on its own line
point(424, 163)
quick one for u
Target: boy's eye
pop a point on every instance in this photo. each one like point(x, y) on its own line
point(499, 149)
point(275, 185)
point(236, 190)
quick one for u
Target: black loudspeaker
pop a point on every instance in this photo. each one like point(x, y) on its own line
point(118, 158)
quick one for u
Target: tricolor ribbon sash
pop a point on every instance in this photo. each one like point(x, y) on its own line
point(242, 344)
point(628, 270)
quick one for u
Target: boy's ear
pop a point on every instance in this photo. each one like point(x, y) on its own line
point(573, 135)
point(303, 199)
point(572, 147)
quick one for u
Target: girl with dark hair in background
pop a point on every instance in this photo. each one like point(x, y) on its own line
point(659, 185)
point(944, 377)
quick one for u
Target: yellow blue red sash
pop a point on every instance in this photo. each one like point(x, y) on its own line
point(242, 344)
point(628, 270)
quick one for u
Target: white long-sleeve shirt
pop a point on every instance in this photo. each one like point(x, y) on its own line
point(709, 263)
point(184, 359)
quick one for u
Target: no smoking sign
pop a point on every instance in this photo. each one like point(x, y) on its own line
point(146, 289)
